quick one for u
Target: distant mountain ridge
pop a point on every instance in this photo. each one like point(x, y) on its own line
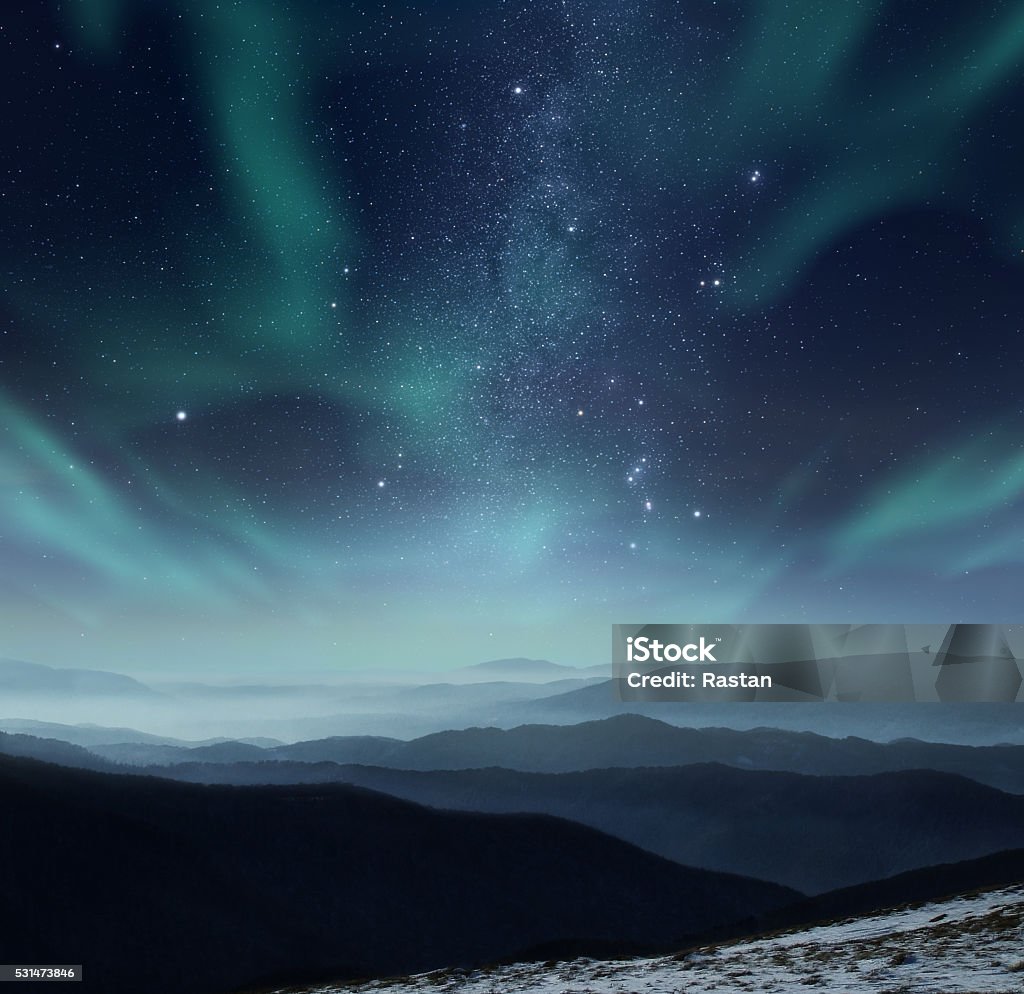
point(18, 677)
point(533, 692)
point(621, 741)
point(90, 735)
point(966, 723)
point(522, 668)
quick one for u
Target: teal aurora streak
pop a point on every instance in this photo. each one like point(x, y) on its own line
point(241, 282)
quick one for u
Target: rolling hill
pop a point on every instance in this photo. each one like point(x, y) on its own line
point(172, 888)
point(814, 833)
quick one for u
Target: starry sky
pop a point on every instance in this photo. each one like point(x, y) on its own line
point(411, 334)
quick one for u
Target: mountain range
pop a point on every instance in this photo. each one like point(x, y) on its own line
point(621, 741)
point(814, 833)
point(966, 723)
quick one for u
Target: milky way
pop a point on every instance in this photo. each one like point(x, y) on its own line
point(439, 332)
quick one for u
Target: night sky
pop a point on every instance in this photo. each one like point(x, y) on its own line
point(339, 335)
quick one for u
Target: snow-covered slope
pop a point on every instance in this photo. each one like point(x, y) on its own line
point(966, 944)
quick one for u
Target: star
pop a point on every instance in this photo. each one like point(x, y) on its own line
point(696, 514)
point(517, 90)
point(181, 415)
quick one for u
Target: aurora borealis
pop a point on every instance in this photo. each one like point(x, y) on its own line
point(492, 325)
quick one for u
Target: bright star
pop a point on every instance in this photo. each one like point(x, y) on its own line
point(181, 415)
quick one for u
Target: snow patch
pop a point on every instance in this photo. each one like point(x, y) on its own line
point(967, 944)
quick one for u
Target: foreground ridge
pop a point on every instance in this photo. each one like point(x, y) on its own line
point(970, 943)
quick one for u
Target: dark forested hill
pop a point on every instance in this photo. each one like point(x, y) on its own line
point(813, 833)
point(172, 888)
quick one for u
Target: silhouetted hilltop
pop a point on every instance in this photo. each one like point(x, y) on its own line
point(146, 754)
point(52, 751)
point(814, 833)
point(172, 888)
point(967, 723)
point(959, 941)
point(931, 883)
